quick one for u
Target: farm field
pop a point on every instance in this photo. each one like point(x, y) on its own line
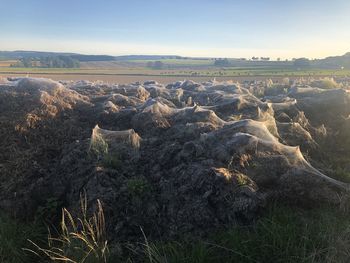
point(117, 73)
point(125, 79)
point(172, 69)
point(6, 63)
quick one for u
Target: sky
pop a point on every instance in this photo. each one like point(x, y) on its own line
point(200, 28)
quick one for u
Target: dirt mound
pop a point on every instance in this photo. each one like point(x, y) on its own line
point(211, 154)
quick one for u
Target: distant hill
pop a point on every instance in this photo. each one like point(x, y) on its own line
point(20, 54)
point(147, 57)
point(87, 58)
point(335, 62)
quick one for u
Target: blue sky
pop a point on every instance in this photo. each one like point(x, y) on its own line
point(221, 28)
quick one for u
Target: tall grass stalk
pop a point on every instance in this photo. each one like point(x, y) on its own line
point(81, 240)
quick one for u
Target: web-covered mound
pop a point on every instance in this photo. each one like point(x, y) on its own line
point(250, 146)
point(30, 100)
point(211, 153)
point(38, 117)
point(215, 127)
point(122, 144)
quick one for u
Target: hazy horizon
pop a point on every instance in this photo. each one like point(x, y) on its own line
point(313, 29)
point(154, 54)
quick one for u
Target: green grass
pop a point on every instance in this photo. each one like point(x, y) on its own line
point(14, 237)
point(185, 72)
point(282, 235)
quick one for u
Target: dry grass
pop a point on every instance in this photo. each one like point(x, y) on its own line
point(81, 240)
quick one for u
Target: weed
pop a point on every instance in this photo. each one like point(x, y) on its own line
point(138, 187)
point(81, 240)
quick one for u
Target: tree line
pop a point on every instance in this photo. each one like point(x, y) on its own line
point(47, 62)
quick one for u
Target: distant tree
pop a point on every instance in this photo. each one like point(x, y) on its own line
point(18, 64)
point(222, 62)
point(23, 63)
point(48, 62)
point(68, 62)
point(59, 62)
point(255, 58)
point(158, 65)
point(301, 63)
point(27, 62)
point(278, 59)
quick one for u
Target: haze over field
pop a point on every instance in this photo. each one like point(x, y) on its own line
point(296, 28)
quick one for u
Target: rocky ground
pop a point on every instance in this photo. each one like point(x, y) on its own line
point(178, 159)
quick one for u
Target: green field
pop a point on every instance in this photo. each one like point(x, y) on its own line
point(172, 68)
point(209, 72)
point(179, 62)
